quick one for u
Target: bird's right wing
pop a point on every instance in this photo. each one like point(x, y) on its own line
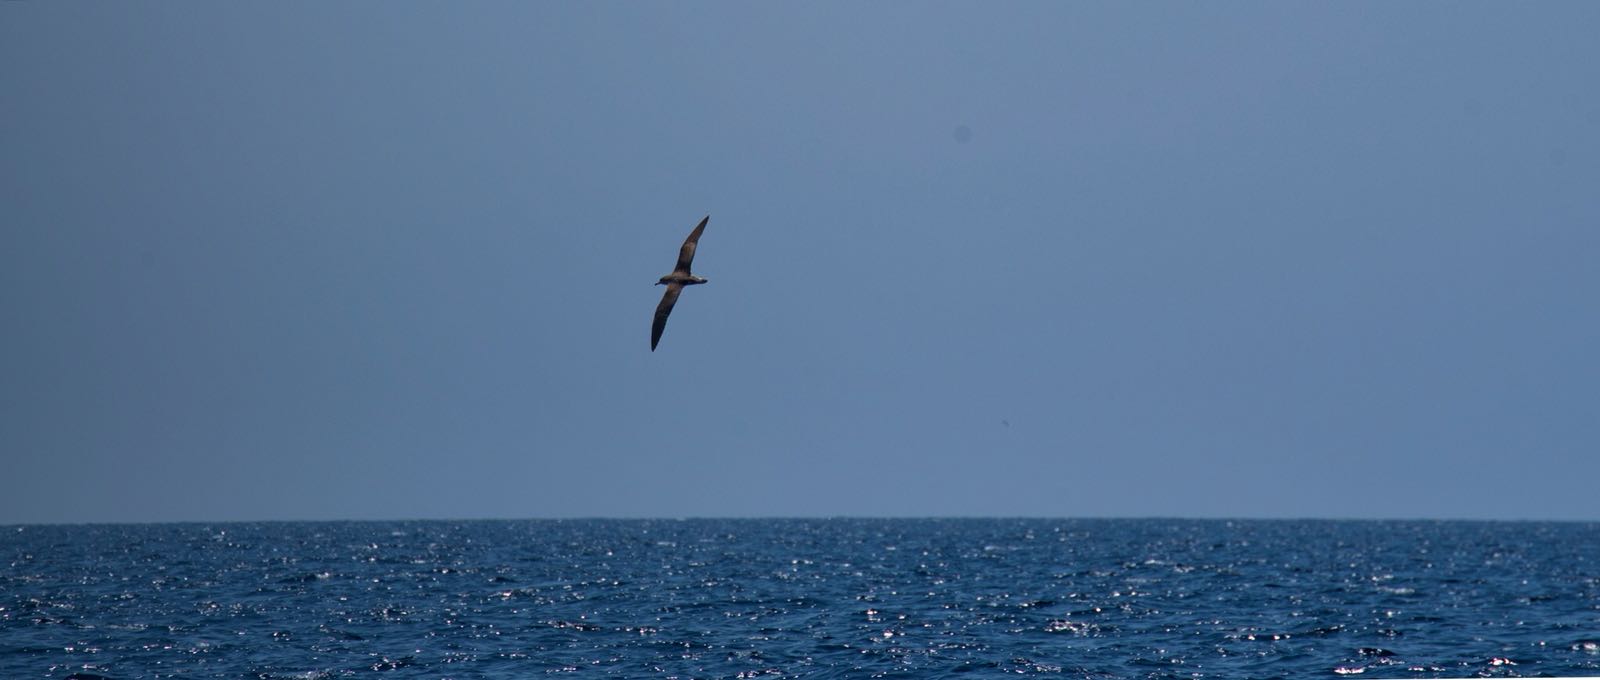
point(686, 254)
point(668, 299)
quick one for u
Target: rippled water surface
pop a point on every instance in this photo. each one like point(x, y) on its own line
point(801, 598)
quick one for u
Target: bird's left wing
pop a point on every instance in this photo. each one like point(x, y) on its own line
point(686, 254)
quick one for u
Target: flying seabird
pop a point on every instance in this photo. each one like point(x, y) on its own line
point(675, 282)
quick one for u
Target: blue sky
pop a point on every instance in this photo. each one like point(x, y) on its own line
point(395, 260)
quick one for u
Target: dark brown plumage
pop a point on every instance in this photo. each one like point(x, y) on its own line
point(675, 282)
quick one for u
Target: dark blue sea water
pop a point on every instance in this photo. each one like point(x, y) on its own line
point(801, 598)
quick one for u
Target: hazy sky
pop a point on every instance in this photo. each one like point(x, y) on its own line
point(346, 260)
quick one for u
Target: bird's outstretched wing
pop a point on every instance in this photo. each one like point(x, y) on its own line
point(668, 299)
point(686, 254)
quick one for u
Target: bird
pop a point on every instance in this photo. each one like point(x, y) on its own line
point(675, 282)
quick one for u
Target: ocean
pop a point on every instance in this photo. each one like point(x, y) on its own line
point(793, 598)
